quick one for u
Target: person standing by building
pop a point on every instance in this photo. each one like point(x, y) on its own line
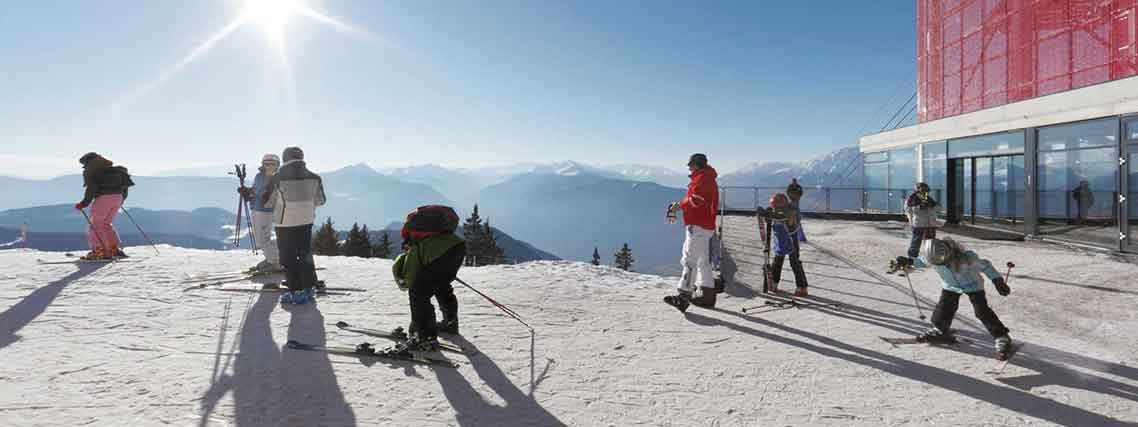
point(263, 216)
point(700, 207)
point(294, 193)
point(1084, 199)
point(920, 208)
point(106, 190)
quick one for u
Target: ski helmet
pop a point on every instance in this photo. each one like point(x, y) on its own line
point(293, 153)
point(935, 251)
point(779, 200)
point(270, 157)
point(922, 186)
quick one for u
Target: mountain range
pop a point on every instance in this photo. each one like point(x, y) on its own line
point(565, 208)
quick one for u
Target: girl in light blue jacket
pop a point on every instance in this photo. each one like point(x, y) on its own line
point(961, 271)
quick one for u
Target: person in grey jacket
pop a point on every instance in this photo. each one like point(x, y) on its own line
point(294, 193)
point(921, 210)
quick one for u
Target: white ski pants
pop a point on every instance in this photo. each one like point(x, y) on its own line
point(696, 260)
point(263, 233)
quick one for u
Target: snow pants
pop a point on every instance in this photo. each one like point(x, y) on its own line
point(946, 310)
point(295, 247)
point(920, 234)
point(795, 266)
point(101, 234)
point(696, 260)
point(263, 234)
point(434, 279)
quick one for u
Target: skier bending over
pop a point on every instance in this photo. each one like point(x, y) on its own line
point(960, 273)
point(106, 190)
point(700, 207)
point(785, 236)
point(294, 193)
point(262, 215)
point(430, 262)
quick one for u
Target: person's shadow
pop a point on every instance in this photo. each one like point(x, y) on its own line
point(275, 386)
point(24, 312)
point(472, 409)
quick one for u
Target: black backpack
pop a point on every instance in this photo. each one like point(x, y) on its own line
point(115, 180)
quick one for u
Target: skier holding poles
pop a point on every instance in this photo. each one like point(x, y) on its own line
point(961, 272)
point(262, 216)
point(106, 189)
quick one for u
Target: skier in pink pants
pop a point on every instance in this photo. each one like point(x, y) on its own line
point(106, 189)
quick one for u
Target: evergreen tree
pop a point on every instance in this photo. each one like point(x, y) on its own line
point(472, 233)
point(624, 258)
point(384, 248)
point(596, 256)
point(359, 242)
point(492, 252)
point(326, 241)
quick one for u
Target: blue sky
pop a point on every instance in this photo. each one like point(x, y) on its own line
point(456, 83)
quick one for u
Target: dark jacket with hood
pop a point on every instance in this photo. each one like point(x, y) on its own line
point(97, 181)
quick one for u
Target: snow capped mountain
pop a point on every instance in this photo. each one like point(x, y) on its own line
point(650, 173)
point(837, 168)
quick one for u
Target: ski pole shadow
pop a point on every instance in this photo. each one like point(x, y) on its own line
point(1011, 399)
point(1077, 285)
point(472, 409)
point(28, 309)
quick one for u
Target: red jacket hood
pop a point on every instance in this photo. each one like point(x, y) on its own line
point(708, 172)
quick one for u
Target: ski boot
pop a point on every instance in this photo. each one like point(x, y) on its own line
point(301, 297)
point(720, 285)
point(680, 301)
point(1004, 347)
point(96, 255)
point(801, 292)
point(448, 326)
point(935, 336)
point(120, 254)
point(417, 343)
point(706, 298)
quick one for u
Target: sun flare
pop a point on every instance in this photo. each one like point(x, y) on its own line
point(272, 16)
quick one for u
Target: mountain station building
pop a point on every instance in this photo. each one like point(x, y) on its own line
point(1027, 120)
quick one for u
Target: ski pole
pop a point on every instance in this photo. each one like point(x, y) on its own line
point(139, 227)
point(504, 309)
point(93, 230)
point(914, 291)
point(1008, 277)
point(237, 227)
point(249, 219)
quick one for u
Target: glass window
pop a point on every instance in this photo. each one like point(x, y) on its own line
point(879, 156)
point(987, 145)
point(935, 165)
point(1132, 129)
point(876, 183)
point(1089, 134)
point(902, 176)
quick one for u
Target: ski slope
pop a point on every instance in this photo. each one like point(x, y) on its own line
point(122, 344)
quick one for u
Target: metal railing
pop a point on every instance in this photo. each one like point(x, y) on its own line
point(822, 199)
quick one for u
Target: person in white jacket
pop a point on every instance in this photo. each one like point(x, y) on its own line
point(294, 193)
point(921, 210)
point(262, 215)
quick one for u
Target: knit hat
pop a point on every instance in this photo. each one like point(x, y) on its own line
point(698, 159)
point(293, 153)
point(88, 157)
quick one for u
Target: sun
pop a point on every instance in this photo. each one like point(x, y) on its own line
point(272, 15)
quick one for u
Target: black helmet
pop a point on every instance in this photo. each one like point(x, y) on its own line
point(698, 160)
point(922, 186)
point(88, 157)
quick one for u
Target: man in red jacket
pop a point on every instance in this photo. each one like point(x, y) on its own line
point(700, 207)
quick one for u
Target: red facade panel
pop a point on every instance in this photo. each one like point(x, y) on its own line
point(975, 54)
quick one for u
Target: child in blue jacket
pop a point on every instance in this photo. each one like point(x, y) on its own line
point(961, 272)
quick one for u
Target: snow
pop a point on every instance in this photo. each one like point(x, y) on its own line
point(122, 344)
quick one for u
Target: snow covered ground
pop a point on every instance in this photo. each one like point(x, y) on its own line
point(123, 345)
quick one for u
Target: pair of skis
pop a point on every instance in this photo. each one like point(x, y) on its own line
point(367, 350)
point(1001, 363)
point(88, 261)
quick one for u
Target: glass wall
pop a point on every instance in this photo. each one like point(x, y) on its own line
point(889, 178)
point(1078, 180)
point(1131, 130)
point(934, 165)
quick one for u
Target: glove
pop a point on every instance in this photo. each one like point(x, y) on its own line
point(80, 206)
point(1002, 287)
point(402, 284)
point(904, 262)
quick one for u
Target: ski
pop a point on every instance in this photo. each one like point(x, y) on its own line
point(269, 287)
point(913, 340)
point(232, 275)
point(1003, 364)
point(675, 302)
point(399, 334)
point(87, 261)
point(765, 234)
point(365, 350)
point(793, 303)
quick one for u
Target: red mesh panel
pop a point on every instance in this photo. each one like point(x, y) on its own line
point(977, 54)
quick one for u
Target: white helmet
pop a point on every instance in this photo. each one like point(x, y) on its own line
point(935, 251)
point(271, 157)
